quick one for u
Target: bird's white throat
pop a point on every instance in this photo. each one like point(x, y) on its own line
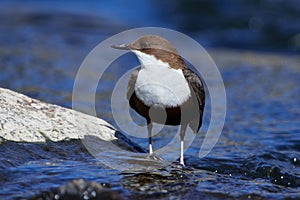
point(159, 84)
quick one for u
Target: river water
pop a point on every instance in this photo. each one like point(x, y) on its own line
point(256, 157)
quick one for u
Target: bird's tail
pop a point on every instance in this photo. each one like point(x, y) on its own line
point(196, 123)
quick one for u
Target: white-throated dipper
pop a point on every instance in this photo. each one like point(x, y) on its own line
point(163, 89)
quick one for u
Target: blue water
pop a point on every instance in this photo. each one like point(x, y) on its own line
point(258, 24)
point(256, 157)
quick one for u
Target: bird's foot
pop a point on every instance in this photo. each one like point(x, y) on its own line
point(182, 163)
point(179, 163)
point(154, 157)
point(150, 149)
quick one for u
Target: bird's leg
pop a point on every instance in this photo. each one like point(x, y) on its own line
point(182, 134)
point(149, 127)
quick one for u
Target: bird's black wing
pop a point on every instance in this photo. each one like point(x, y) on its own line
point(196, 85)
point(131, 83)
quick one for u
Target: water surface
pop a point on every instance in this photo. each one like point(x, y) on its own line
point(257, 155)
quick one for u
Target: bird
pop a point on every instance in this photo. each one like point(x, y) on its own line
point(163, 89)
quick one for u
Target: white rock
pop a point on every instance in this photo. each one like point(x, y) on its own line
point(23, 119)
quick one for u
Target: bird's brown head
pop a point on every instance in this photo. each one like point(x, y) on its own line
point(148, 42)
point(157, 46)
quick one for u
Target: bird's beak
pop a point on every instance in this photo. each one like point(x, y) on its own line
point(121, 46)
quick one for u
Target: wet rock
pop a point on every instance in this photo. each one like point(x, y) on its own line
point(23, 119)
point(79, 189)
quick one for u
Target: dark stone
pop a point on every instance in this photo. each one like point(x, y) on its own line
point(79, 189)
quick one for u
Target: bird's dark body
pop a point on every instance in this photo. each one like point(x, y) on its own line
point(190, 111)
